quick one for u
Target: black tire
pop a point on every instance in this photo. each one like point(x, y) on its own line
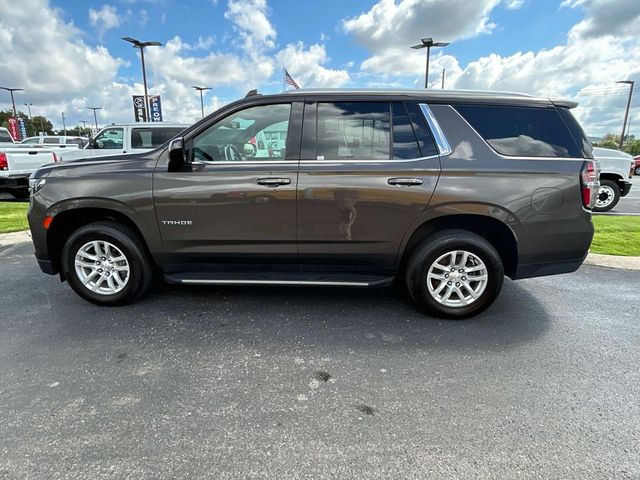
point(637, 171)
point(20, 194)
point(129, 243)
point(438, 244)
point(616, 195)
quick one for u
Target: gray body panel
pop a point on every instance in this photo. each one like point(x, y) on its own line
point(332, 215)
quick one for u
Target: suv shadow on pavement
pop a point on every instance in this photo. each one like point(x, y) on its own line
point(267, 317)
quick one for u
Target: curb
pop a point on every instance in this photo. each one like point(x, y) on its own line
point(613, 261)
point(14, 238)
point(596, 259)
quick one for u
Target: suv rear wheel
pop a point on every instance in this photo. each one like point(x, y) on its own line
point(608, 196)
point(106, 263)
point(454, 274)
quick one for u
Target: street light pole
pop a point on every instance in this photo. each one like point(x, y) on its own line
point(64, 127)
point(141, 45)
point(95, 117)
point(201, 89)
point(626, 113)
point(13, 102)
point(28, 105)
point(428, 43)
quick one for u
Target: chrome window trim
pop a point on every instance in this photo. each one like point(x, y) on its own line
point(312, 162)
point(441, 140)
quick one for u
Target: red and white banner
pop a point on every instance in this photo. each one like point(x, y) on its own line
point(13, 129)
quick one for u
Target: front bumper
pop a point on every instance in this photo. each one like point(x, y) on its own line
point(46, 265)
point(625, 187)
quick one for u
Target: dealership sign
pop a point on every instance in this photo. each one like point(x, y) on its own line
point(139, 112)
point(13, 128)
point(155, 108)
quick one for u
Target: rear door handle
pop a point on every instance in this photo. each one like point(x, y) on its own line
point(405, 181)
point(273, 181)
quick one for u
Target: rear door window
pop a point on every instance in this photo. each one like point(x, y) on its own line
point(405, 145)
point(51, 140)
point(353, 130)
point(522, 131)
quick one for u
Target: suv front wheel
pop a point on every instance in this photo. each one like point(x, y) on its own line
point(454, 274)
point(106, 263)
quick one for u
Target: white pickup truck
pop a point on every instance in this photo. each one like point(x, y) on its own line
point(126, 138)
point(17, 163)
point(615, 177)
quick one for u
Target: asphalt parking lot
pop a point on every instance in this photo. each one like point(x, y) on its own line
point(319, 383)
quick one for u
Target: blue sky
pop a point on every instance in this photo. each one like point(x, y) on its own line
point(571, 48)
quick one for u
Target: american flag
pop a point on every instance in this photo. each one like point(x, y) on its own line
point(289, 79)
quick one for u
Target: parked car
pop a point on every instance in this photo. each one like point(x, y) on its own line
point(16, 164)
point(615, 177)
point(636, 165)
point(56, 141)
point(446, 192)
point(127, 138)
point(5, 137)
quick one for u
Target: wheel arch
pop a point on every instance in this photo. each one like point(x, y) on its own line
point(68, 218)
point(495, 231)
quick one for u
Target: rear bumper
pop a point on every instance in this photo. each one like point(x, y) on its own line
point(625, 187)
point(15, 182)
point(542, 269)
point(561, 247)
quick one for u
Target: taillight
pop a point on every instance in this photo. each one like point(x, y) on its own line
point(55, 157)
point(589, 183)
point(633, 167)
point(4, 165)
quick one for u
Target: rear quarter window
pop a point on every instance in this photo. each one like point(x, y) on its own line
point(522, 131)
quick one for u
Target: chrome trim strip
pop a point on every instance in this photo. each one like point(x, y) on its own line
point(438, 134)
point(284, 282)
point(313, 162)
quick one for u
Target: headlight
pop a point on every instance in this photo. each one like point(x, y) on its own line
point(36, 184)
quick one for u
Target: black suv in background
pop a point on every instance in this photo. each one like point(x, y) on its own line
point(444, 191)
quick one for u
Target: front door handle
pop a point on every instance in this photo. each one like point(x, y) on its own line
point(405, 181)
point(273, 181)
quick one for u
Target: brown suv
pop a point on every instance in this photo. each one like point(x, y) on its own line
point(445, 191)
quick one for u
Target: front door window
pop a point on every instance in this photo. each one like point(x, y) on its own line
point(253, 134)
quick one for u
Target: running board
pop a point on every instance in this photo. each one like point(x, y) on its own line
point(324, 280)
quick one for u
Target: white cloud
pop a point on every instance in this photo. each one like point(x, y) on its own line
point(389, 28)
point(251, 21)
point(306, 66)
point(618, 18)
point(104, 19)
point(514, 4)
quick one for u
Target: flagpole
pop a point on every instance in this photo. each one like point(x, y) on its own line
point(284, 84)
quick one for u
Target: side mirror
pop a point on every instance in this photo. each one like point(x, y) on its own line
point(177, 155)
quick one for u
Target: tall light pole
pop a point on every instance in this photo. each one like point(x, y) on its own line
point(141, 45)
point(95, 117)
point(626, 113)
point(64, 127)
point(428, 43)
point(201, 89)
point(28, 105)
point(13, 102)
